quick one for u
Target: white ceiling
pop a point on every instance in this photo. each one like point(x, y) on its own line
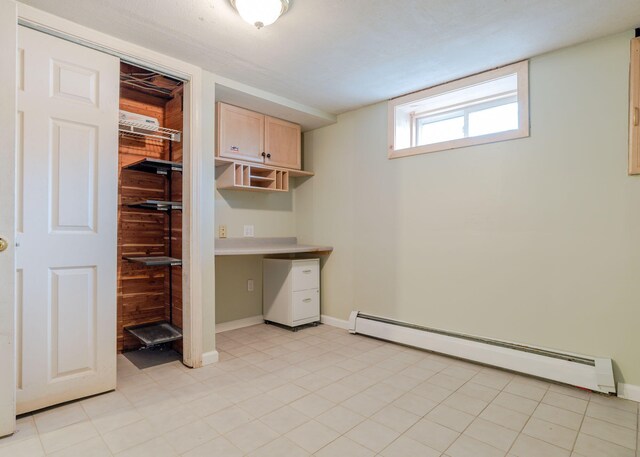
point(337, 55)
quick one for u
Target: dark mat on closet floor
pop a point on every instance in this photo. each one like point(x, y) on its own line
point(151, 357)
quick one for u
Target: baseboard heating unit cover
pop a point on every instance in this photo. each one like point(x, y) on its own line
point(593, 373)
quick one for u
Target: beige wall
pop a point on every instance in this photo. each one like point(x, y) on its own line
point(531, 240)
point(272, 215)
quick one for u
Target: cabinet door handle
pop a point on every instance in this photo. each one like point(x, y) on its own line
point(636, 117)
point(306, 300)
point(306, 271)
point(268, 156)
point(234, 148)
point(264, 154)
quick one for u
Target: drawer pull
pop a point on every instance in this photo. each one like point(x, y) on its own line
point(306, 300)
point(306, 271)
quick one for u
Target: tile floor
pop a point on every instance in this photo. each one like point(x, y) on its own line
point(324, 392)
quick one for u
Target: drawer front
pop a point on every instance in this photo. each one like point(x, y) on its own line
point(306, 305)
point(306, 275)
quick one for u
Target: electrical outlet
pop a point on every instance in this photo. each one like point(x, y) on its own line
point(248, 230)
point(250, 285)
point(222, 231)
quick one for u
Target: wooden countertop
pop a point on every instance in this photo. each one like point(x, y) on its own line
point(265, 246)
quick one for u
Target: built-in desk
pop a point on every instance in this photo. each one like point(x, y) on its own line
point(266, 246)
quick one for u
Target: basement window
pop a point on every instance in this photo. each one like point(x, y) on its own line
point(484, 108)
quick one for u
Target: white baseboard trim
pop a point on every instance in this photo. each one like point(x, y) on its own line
point(334, 322)
point(210, 357)
point(629, 391)
point(240, 323)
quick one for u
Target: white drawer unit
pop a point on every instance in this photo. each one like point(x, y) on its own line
point(291, 291)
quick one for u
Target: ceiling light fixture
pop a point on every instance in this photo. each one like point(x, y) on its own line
point(260, 12)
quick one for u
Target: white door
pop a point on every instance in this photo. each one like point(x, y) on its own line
point(8, 25)
point(66, 199)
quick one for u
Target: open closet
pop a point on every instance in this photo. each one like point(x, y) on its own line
point(149, 210)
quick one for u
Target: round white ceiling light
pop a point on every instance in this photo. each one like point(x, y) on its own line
point(260, 12)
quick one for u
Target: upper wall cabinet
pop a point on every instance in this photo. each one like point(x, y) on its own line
point(240, 133)
point(250, 136)
point(634, 108)
point(281, 143)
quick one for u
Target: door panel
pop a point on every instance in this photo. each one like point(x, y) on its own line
point(282, 143)
point(240, 133)
point(8, 76)
point(67, 193)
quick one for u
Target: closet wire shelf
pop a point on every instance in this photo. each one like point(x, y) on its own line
point(142, 131)
point(154, 261)
point(155, 166)
point(155, 333)
point(158, 205)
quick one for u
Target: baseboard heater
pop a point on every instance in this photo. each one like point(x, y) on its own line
point(593, 373)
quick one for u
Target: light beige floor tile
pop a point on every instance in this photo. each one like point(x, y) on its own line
point(251, 436)
point(343, 447)
point(464, 403)
point(68, 436)
point(432, 435)
point(227, 419)
point(385, 392)
point(570, 391)
point(446, 381)
point(336, 392)
point(609, 432)
point(29, 447)
point(415, 404)
point(101, 404)
point(450, 418)
point(577, 405)
point(219, 447)
point(189, 436)
point(526, 446)
point(25, 428)
point(406, 447)
point(364, 405)
point(493, 434)
point(284, 420)
point(212, 403)
point(396, 418)
point(288, 392)
point(505, 417)
point(615, 402)
point(613, 415)
point(62, 416)
point(466, 446)
point(527, 390)
point(372, 435)
point(418, 373)
point(590, 446)
point(558, 416)
point(171, 419)
point(432, 391)
point(494, 379)
point(551, 433)
point(312, 405)
point(157, 447)
point(126, 437)
point(402, 382)
point(312, 436)
point(460, 372)
point(114, 420)
point(515, 403)
point(340, 419)
point(260, 405)
point(280, 447)
point(95, 447)
point(474, 390)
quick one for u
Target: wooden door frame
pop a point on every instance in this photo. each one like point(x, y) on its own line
point(195, 236)
point(8, 110)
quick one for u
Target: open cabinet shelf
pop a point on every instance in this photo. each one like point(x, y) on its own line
point(155, 333)
point(241, 176)
point(155, 166)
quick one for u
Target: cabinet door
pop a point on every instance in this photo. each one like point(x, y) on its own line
point(240, 133)
point(282, 143)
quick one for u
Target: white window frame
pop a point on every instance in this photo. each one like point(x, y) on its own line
point(521, 95)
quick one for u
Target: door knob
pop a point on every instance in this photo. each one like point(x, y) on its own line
point(3, 244)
